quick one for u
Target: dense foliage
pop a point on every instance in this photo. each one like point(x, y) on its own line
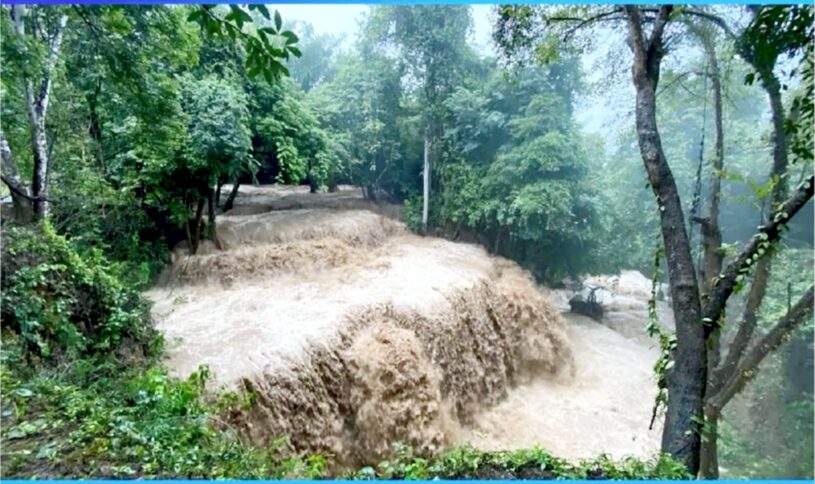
point(63, 303)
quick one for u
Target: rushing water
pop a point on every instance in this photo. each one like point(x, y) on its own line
point(354, 334)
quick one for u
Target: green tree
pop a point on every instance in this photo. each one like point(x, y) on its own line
point(540, 30)
point(431, 44)
point(361, 109)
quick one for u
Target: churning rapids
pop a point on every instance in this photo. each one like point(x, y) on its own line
point(353, 334)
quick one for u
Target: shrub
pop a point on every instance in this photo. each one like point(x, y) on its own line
point(469, 463)
point(62, 302)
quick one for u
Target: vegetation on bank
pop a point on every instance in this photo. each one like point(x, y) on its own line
point(137, 422)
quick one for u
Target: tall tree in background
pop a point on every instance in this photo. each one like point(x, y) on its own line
point(431, 42)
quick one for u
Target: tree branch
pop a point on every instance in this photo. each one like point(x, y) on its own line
point(21, 191)
point(582, 22)
point(755, 249)
point(772, 340)
point(655, 42)
point(714, 19)
point(748, 324)
point(53, 54)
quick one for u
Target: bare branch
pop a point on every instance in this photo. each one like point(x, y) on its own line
point(748, 324)
point(772, 340)
point(714, 19)
point(18, 190)
point(768, 233)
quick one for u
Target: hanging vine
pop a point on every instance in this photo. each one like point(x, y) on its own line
point(667, 341)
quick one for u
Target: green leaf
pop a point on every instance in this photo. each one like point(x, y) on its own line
point(278, 20)
point(262, 9)
point(290, 37)
point(195, 16)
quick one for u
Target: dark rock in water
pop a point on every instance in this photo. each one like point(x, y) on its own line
point(587, 306)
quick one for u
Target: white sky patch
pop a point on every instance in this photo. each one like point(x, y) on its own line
point(327, 19)
point(344, 20)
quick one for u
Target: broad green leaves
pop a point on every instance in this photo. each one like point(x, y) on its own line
point(268, 46)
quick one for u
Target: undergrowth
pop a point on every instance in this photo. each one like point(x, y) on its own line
point(96, 420)
point(535, 463)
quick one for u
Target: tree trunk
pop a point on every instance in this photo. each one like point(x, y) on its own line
point(218, 193)
point(199, 213)
point(37, 105)
point(426, 183)
point(39, 182)
point(709, 456)
point(686, 384)
point(230, 200)
point(370, 192)
point(711, 234)
point(211, 216)
point(20, 193)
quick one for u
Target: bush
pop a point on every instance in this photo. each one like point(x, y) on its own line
point(90, 420)
point(469, 463)
point(62, 302)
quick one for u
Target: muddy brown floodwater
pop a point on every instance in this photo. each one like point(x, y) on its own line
point(354, 334)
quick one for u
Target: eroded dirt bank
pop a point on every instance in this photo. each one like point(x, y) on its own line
point(354, 334)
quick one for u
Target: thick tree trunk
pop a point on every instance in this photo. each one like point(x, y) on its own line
point(686, 385)
point(426, 183)
point(230, 200)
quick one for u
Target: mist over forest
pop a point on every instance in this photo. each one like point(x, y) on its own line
point(407, 241)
